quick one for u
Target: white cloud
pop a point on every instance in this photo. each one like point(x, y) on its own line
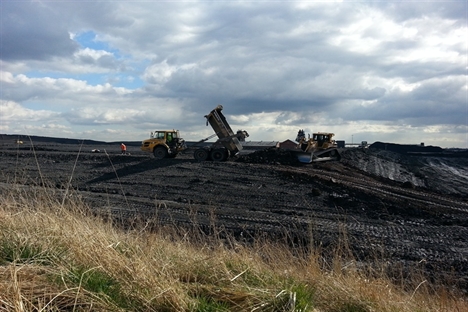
point(90, 115)
point(94, 54)
point(59, 92)
point(13, 112)
point(6, 77)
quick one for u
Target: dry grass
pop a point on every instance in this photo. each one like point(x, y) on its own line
point(56, 256)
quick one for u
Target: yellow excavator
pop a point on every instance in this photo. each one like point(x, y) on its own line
point(319, 147)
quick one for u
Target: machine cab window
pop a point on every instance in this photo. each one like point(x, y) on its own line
point(159, 135)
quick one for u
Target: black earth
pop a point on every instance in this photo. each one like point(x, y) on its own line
point(409, 212)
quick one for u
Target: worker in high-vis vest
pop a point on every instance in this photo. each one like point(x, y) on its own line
point(123, 148)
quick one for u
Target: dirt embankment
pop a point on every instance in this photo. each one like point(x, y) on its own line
point(445, 175)
point(408, 212)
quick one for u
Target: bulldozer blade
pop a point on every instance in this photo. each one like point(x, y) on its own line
point(304, 157)
point(317, 156)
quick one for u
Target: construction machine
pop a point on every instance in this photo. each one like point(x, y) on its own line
point(167, 144)
point(164, 144)
point(319, 147)
point(228, 143)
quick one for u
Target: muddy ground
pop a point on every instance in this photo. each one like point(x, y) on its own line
point(406, 213)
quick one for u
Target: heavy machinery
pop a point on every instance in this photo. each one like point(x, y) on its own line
point(319, 147)
point(164, 144)
point(228, 143)
point(167, 144)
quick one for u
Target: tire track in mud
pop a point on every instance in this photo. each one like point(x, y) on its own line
point(377, 188)
point(404, 238)
point(366, 237)
point(282, 217)
point(409, 241)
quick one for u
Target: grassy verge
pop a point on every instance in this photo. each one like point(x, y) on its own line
point(56, 256)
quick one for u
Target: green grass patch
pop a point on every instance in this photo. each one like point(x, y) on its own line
point(20, 250)
point(207, 304)
point(102, 285)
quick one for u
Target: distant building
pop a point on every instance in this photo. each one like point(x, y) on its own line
point(340, 144)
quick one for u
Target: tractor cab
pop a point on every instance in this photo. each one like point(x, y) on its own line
point(164, 143)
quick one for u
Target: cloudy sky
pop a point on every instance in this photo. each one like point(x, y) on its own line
point(388, 71)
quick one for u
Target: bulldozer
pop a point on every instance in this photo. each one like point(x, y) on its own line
point(319, 147)
point(164, 144)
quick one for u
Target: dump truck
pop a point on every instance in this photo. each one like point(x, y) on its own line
point(319, 147)
point(169, 143)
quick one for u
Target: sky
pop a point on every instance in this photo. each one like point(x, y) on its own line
point(389, 71)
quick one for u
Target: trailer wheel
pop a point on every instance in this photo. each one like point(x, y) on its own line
point(219, 154)
point(200, 154)
point(160, 152)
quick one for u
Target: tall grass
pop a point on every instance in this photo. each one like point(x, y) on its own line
point(55, 255)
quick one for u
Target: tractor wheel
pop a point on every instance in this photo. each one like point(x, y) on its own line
point(218, 154)
point(201, 154)
point(160, 152)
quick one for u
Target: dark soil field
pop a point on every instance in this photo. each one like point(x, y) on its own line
point(406, 213)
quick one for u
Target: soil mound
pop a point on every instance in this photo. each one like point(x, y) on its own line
point(406, 148)
point(271, 155)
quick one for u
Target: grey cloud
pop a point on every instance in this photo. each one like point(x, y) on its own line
point(269, 88)
point(416, 71)
point(450, 9)
point(432, 103)
point(105, 61)
point(29, 32)
point(40, 31)
point(86, 60)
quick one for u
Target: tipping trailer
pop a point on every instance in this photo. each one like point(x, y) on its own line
point(228, 143)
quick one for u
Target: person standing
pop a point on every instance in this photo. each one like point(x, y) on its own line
point(123, 148)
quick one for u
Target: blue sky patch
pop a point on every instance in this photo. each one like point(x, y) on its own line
point(88, 40)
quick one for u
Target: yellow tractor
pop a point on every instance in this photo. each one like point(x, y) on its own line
point(319, 147)
point(164, 144)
